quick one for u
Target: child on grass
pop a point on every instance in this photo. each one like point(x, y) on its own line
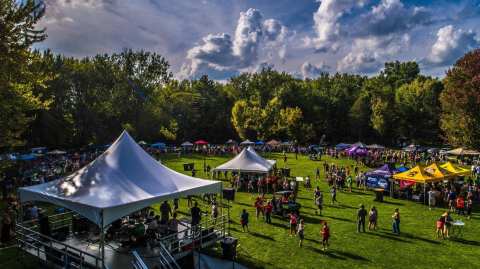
point(244, 220)
point(301, 228)
point(325, 236)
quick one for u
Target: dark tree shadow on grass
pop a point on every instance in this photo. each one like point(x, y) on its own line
point(338, 218)
point(244, 204)
point(389, 237)
point(351, 255)
point(313, 240)
point(262, 236)
point(309, 219)
point(327, 253)
point(414, 237)
point(466, 241)
point(279, 225)
point(392, 203)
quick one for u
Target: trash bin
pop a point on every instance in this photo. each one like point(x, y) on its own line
point(229, 247)
point(379, 195)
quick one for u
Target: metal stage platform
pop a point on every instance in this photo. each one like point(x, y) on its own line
point(84, 250)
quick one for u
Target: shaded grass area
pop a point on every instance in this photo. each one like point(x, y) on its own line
point(270, 246)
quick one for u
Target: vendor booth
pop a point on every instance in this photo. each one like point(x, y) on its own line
point(456, 169)
point(247, 161)
point(123, 180)
point(356, 151)
point(342, 146)
point(421, 175)
point(380, 178)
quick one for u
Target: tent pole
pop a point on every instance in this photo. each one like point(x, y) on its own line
point(102, 241)
point(424, 190)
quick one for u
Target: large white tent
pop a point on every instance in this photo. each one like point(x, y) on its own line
point(247, 161)
point(122, 180)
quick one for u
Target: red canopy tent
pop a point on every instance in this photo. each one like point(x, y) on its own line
point(201, 142)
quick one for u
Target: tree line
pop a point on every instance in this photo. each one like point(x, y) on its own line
point(47, 99)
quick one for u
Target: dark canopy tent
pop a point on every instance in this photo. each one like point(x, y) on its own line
point(380, 177)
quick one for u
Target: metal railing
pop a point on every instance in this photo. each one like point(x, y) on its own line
point(138, 262)
point(54, 252)
point(166, 258)
point(197, 236)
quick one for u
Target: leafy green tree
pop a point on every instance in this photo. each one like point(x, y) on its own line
point(20, 85)
point(398, 73)
point(418, 107)
point(460, 119)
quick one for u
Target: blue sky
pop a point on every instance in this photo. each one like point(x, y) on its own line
point(222, 38)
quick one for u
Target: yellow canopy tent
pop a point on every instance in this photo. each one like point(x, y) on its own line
point(417, 174)
point(455, 169)
point(438, 172)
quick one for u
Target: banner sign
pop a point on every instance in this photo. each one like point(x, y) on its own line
point(406, 183)
point(378, 182)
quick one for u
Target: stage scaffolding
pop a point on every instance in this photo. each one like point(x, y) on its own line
point(71, 250)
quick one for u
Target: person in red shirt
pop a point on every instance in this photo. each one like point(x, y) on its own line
point(293, 224)
point(268, 212)
point(259, 206)
point(460, 205)
point(325, 236)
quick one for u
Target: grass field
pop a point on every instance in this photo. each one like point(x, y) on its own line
point(270, 246)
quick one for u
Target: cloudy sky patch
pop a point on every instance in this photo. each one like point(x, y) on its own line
point(221, 38)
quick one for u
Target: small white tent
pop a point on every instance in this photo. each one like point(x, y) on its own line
point(187, 144)
point(247, 143)
point(122, 180)
point(247, 161)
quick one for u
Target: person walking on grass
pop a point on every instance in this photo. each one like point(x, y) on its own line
point(319, 202)
point(440, 225)
point(293, 224)
point(349, 183)
point(300, 231)
point(244, 220)
point(469, 207)
point(396, 222)
point(333, 193)
point(268, 212)
point(372, 219)
point(361, 215)
point(325, 232)
point(259, 206)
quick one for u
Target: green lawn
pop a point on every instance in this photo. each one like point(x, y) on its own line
point(269, 246)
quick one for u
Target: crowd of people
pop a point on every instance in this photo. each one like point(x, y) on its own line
point(455, 197)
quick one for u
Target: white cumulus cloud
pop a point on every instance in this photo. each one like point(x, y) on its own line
point(326, 23)
point(310, 70)
point(220, 56)
point(451, 44)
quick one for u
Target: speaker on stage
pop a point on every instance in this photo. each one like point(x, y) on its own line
point(229, 194)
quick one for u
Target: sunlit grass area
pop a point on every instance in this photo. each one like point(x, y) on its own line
point(270, 246)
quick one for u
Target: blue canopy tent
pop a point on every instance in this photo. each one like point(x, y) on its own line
point(158, 145)
point(342, 146)
point(314, 148)
point(380, 177)
point(27, 157)
point(38, 150)
point(402, 169)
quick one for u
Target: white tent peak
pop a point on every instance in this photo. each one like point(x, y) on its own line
point(247, 161)
point(120, 181)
